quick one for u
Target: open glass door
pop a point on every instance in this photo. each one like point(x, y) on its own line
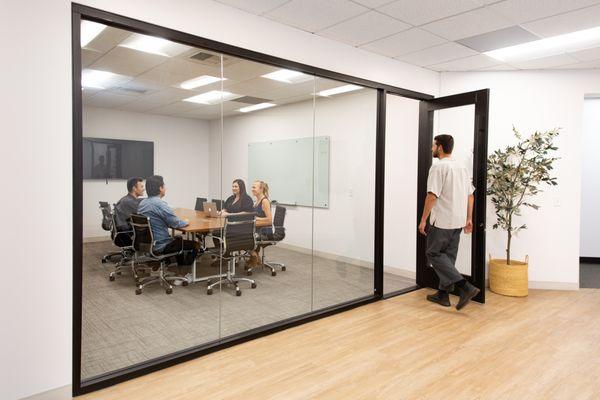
point(465, 117)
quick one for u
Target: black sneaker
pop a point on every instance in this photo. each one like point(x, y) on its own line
point(466, 292)
point(440, 297)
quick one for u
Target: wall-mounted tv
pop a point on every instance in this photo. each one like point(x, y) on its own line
point(117, 159)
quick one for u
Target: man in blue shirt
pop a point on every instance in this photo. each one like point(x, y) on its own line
point(162, 218)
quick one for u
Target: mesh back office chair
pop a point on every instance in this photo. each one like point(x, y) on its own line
point(238, 239)
point(143, 244)
point(200, 203)
point(219, 203)
point(120, 238)
point(272, 238)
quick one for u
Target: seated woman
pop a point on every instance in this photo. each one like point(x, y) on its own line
point(239, 201)
point(262, 208)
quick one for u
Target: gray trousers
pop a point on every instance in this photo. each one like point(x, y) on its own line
point(442, 248)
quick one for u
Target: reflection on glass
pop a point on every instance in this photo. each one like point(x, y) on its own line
point(459, 122)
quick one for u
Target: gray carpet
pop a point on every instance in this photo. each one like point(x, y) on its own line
point(589, 276)
point(121, 329)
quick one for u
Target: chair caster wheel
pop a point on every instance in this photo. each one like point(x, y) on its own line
point(253, 286)
point(209, 291)
point(238, 292)
point(283, 268)
point(111, 278)
point(273, 273)
point(169, 291)
point(185, 283)
point(104, 261)
point(138, 291)
point(249, 272)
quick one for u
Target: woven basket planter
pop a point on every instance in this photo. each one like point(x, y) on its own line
point(509, 280)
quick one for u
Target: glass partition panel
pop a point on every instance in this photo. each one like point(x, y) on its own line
point(459, 122)
point(267, 170)
point(401, 144)
point(343, 192)
point(142, 117)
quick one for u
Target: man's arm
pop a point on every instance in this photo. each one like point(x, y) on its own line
point(172, 220)
point(469, 223)
point(430, 201)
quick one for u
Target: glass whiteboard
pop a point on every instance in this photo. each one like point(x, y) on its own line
point(287, 167)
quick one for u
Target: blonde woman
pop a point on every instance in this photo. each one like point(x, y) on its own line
point(262, 208)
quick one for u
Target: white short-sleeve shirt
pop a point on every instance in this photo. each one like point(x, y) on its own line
point(450, 181)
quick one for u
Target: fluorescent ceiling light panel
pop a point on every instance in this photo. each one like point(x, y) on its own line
point(200, 81)
point(95, 79)
point(212, 97)
point(287, 76)
point(338, 90)
point(549, 46)
point(89, 30)
point(153, 45)
point(260, 106)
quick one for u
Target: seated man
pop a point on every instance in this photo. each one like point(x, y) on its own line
point(162, 218)
point(129, 203)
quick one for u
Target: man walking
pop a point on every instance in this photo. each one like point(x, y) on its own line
point(450, 202)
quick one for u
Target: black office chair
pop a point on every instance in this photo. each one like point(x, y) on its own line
point(219, 203)
point(272, 238)
point(120, 238)
point(238, 239)
point(200, 203)
point(143, 244)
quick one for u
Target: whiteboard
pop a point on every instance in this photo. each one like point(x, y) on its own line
point(288, 167)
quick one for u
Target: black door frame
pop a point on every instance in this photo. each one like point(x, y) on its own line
point(480, 98)
point(80, 12)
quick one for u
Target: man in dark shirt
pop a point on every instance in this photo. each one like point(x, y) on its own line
point(129, 203)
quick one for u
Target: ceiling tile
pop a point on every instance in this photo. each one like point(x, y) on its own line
point(423, 11)
point(124, 61)
point(403, 43)
point(108, 100)
point(88, 57)
point(364, 28)
point(546, 62)
point(468, 24)
point(478, 61)
point(255, 6)
point(520, 11)
point(438, 54)
point(587, 55)
point(315, 15)
point(565, 23)
point(373, 3)
point(501, 67)
point(177, 107)
point(108, 39)
point(583, 65)
point(506, 37)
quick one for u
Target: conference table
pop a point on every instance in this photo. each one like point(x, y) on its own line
point(201, 223)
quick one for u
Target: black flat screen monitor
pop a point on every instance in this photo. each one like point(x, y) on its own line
point(117, 159)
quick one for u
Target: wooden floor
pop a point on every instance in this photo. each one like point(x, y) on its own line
point(546, 346)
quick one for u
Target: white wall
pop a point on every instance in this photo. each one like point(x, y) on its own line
point(36, 100)
point(590, 181)
point(538, 101)
point(180, 156)
point(346, 227)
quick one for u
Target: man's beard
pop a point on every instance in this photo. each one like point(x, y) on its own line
point(436, 154)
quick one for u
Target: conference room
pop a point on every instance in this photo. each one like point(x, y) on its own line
point(295, 155)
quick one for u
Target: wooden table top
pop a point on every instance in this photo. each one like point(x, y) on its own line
point(201, 223)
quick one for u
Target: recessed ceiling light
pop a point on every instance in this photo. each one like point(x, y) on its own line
point(200, 81)
point(338, 90)
point(288, 76)
point(212, 97)
point(154, 45)
point(89, 30)
point(548, 47)
point(95, 79)
point(255, 107)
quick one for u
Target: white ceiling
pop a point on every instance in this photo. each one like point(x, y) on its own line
point(150, 83)
point(426, 32)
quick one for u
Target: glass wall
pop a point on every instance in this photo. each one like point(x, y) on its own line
point(256, 182)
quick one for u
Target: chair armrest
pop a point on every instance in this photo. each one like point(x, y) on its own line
point(220, 239)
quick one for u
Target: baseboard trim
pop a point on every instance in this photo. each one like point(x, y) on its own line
point(94, 239)
point(348, 260)
point(61, 393)
point(589, 260)
point(553, 285)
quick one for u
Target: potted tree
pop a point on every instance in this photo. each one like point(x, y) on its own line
point(515, 174)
